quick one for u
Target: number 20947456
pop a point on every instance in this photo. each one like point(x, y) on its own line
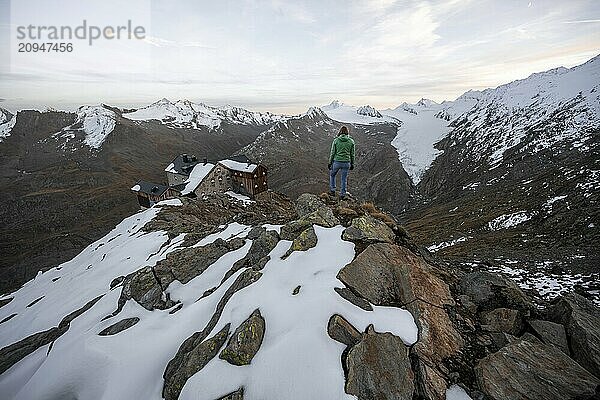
point(48, 47)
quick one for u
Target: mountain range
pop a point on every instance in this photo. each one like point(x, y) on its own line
point(504, 179)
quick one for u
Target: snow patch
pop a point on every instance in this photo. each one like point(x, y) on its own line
point(196, 177)
point(507, 221)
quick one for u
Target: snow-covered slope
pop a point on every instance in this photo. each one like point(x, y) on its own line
point(186, 114)
point(85, 363)
point(419, 128)
point(96, 123)
point(7, 122)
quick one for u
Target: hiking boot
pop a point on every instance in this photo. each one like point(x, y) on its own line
point(342, 197)
point(332, 193)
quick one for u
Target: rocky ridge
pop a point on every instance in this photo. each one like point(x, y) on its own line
point(229, 284)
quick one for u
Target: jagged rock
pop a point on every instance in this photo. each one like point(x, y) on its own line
point(261, 247)
point(171, 375)
point(245, 341)
point(147, 285)
point(192, 362)
point(308, 203)
point(322, 217)
point(531, 338)
point(119, 326)
point(237, 395)
point(341, 330)
point(291, 230)
point(390, 275)
point(15, 352)
point(306, 240)
point(368, 230)
point(256, 232)
point(430, 384)
point(379, 368)
point(117, 281)
point(501, 339)
point(4, 302)
point(354, 299)
point(189, 263)
point(524, 370)
point(490, 291)
point(581, 319)
point(438, 339)
point(551, 333)
point(296, 290)
point(502, 320)
point(8, 318)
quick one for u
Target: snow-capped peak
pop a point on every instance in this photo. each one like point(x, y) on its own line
point(333, 105)
point(426, 103)
point(368, 111)
point(315, 112)
point(7, 122)
point(187, 114)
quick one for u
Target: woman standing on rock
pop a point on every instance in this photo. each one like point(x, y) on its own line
point(341, 158)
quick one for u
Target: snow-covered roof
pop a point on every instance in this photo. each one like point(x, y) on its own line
point(182, 164)
point(196, 177)
point(238, 166)
point(155, 189)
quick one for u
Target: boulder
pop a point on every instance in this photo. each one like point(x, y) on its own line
point(193, 361)
point(245, 341)
point(119, 326)
point(306, 240)
point(490, 291)
point(308, 203)
point(261, 247)
point(502, 320)
point(581, 319)
point(322, 217)
point(390, 275)
point(379, 368)
point(353, 298)
point(430, 384)
point(523, 370)
point(551, 333)
point(292, 229)
point(367, 229)
point(342, 331)
point(438, 339)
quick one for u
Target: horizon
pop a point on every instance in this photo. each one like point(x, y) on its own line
point(74, 106)
point(286, 57)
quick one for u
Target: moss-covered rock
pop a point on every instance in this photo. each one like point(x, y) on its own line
point(369, 230)
point(245, 341)
point(306, 240)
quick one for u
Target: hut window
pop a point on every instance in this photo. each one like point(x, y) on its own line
point(255, 186)
point(256, 176)
point(264, 174)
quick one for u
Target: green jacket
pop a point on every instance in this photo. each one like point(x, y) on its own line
point(342, 149)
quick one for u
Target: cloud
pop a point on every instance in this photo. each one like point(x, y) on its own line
point(160, 42)
point(582, 21)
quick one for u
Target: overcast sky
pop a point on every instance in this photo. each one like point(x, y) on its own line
point(285, 56)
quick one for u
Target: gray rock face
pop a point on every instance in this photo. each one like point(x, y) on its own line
point(391, 275)
point(193, 361)
point(308, 203)
point(581, 319)
point(524, 370)
point(491, 291)
point(368, 230)
point(342, 331)
point(502, 320)
point(551, 333)
point(245, 341)
point(119, 326)
point(379, 368)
